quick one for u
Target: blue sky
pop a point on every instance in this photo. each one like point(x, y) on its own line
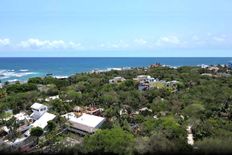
point(121, 28)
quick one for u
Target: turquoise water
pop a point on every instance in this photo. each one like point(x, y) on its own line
point(24, 68)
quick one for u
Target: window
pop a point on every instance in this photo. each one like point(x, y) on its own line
point(43, 109)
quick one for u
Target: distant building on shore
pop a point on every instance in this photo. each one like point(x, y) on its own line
point(156, 65)
point(230, 64)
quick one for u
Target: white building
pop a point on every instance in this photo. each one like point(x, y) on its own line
point(150, 80)
point(38, 110)
point(42, 122)
point(117, 79)
point(145, 78)
point(52, 98)
point(204, 66)
point(85, 123)
point(60, 77)
point(142, 77)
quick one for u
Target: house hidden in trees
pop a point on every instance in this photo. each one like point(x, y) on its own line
point(84, 123)
point(144, 81)
point(51, 98)
point(92, 110)
point(42, 122)
point(39, 118)
point(144, 78)
point(117, 80)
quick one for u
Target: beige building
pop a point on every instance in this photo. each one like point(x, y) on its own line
point(117, 80)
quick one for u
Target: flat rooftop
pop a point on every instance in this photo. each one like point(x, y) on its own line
point(43, 120)
point(37, 106)
point(85, 119)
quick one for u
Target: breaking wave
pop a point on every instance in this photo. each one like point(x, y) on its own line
point(7, 74)
point(23, 70)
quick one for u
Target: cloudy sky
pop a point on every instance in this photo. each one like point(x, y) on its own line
point(121, 28)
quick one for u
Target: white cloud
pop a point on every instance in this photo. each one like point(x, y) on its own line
point(74, 45)
point(48, 44)
point(168, 40)
point(140, 41)
point(115, 45)
point(195, 38)
point(219, 39)
point(4, 42)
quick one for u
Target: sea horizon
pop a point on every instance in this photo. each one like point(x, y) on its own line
point(23, 68)
point(119, 57)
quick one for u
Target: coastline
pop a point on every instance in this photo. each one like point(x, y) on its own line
point(21, 69)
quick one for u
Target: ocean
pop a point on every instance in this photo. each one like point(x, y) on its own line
point(23, 68)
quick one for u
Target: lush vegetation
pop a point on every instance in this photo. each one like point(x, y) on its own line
point(203, 102)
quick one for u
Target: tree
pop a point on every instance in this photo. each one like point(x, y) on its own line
point(2, 93)
point(159, 105)
point(148, 126)
point(17, 88)
point(52, 90)
point(125, 125)
point(113, 140)
point(51, 125)
point(35, 80)
point(109, 97)
point(81, 86)
point(73, 95)
point(215, 145)
point(12, 125)
point(36, 132)
point(171, 128)
point(21, 101)
point(194, 110)
point(202, 129)
point(159, 143)
point(110, 112)
point(59, 106)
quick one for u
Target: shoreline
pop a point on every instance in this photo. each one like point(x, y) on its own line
point(65, 76)
point(20, 69)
